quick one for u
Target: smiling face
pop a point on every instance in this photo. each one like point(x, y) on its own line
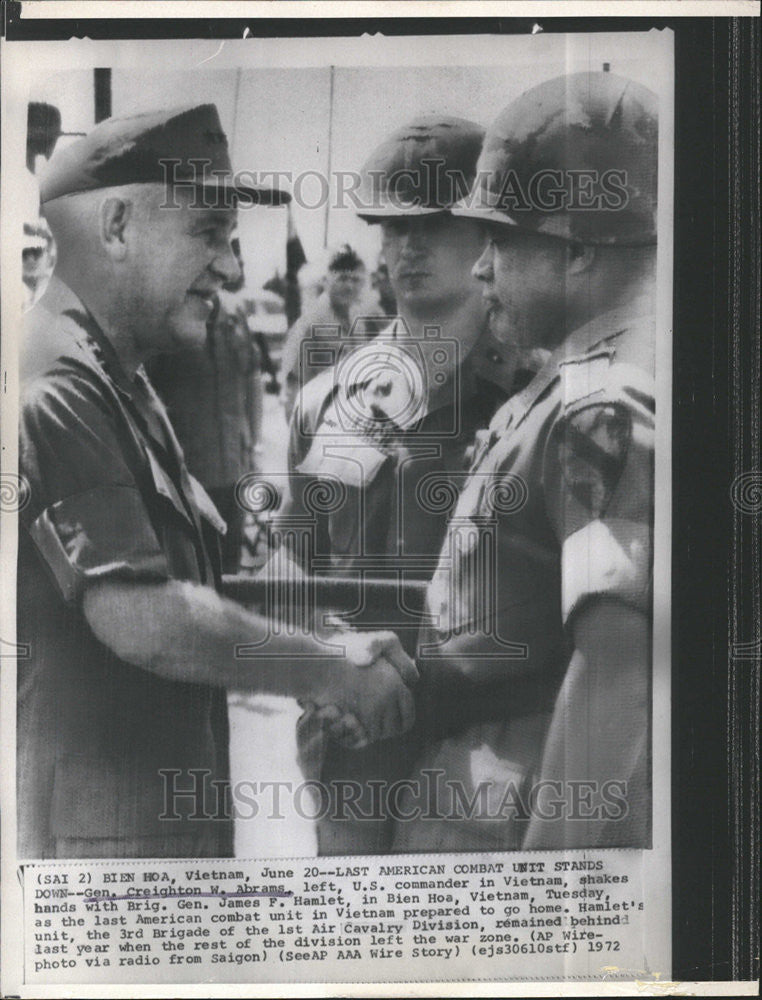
point(429, 258)
point(524, 284)
point(176, 262)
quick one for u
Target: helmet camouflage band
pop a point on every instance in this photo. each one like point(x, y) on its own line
point(575, 157)
point(420, 169)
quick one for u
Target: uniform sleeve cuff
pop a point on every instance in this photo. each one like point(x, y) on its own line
point(610, 558)
point(104, 532)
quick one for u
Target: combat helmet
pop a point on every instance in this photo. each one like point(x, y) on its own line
point(423, 168)
point(574, 157)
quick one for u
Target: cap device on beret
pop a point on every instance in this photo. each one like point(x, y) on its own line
point(181, 146)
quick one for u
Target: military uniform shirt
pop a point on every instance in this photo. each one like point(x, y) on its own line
point(556, 512)
point(110, 498)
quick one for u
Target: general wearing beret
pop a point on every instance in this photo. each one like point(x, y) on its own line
point(184, 147)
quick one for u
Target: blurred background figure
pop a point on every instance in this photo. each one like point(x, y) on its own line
point(263, 311)
point(379, 304)
point(214, 397)
point(343, 278)
point(37, 260)
point(43, 129)
point(382, 286)
point(38, 249)
point(312, 280)
point(289, 286)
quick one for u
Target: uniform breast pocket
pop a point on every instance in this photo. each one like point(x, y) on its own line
point(465, 580)
point(346, 495)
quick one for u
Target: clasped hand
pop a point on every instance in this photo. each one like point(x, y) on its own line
point(367, 697)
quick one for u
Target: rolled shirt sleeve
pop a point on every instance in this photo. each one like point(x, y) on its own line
point(599, 493)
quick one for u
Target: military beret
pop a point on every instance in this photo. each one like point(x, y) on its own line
point(180, 147)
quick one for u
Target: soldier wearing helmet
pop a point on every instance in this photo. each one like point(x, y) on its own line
point(399, 413)
point(536, 671)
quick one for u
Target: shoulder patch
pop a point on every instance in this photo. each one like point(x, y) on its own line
point(592, 452)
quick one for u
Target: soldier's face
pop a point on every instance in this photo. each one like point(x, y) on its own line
point(523, 278)
point(429, 259)
point(181, 259)
point(344, 287)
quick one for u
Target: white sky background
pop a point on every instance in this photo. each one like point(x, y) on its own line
point(277, 117)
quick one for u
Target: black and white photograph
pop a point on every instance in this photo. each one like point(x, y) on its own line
point(342, 508)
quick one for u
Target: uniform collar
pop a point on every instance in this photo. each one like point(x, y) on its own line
point(60, 300)
point(594, 336)
point(497, 362)
point(58, 297)
point(604, 327)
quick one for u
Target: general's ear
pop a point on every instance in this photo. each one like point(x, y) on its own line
point(115, 213)
point(579, 257)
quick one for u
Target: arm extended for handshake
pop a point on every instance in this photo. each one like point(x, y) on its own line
point(187, 632)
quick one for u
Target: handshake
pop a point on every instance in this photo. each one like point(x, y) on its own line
point(366, 697)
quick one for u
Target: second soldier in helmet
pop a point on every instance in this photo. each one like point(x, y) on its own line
point(395, 419)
